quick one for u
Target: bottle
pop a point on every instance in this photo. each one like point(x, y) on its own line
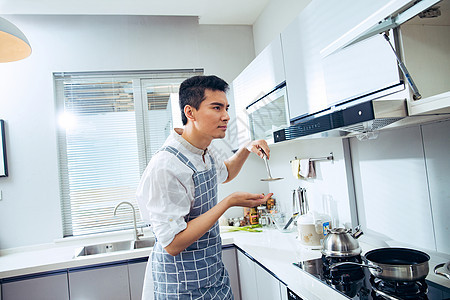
point(270, 204)
point(253, 216)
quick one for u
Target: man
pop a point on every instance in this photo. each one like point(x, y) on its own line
point(177, 195)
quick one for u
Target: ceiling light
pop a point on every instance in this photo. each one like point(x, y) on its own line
point(13, 43)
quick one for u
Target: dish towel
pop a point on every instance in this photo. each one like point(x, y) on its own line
point(307, 168)
point(295, 166)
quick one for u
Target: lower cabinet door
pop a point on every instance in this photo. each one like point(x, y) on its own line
point(230, 261)
point(283, 291)
point(44, 287)
point(137, 274)
point(268, 286)
point(247, 277)
point(100, 283)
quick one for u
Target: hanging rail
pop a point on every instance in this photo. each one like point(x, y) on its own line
point(329, 157)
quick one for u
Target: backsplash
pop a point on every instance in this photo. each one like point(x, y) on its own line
point(401, 184)
point(327, 192)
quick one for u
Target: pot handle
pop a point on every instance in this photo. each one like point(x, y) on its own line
point(385, 295)
point(377, 268)
point(440, 273)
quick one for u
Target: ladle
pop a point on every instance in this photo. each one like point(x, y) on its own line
point(268, 169)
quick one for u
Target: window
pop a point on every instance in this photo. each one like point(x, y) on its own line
point(109, 126)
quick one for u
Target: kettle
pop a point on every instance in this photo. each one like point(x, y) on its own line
point(341, 242)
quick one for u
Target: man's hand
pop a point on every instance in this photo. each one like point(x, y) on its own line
point(244, 199)
point(199, 226)
point(234, 163)
point(257, 146)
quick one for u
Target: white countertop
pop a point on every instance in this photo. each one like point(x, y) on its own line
point(274, 250)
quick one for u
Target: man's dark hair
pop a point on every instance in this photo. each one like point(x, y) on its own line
point(192, 91)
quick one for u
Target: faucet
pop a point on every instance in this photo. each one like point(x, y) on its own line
point(136, 234)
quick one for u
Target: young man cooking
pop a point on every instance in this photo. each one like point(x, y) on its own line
point(177, 195)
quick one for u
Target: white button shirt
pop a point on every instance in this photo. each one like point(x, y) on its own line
point(166, 190)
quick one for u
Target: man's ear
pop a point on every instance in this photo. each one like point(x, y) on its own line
point(189, 112)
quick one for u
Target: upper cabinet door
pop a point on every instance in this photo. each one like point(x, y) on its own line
point(264, 73)
point(323, 26)
point(353, 19)
point(260, 77)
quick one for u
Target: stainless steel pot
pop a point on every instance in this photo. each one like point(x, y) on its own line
point(446, 267)
point(341, 242)
point(398, 264)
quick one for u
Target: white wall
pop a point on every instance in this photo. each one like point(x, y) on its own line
point(327, 193)
point(272, 21)
point(30, 209)
point(401, 181)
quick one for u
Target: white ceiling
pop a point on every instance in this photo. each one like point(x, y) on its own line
point(232, 12)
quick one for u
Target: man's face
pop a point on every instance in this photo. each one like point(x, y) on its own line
point(211, 118)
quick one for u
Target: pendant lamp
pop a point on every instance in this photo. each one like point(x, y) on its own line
point(13, 43)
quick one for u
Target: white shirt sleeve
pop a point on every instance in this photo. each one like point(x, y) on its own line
point(164, 195)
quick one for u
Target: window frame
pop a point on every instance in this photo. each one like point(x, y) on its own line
point(141, 105)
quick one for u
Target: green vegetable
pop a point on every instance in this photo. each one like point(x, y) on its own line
point(249, 228)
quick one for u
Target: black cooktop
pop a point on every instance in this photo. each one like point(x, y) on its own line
point(358, 284)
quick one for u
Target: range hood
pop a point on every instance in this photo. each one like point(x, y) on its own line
point(361, 120)
point(386, 105)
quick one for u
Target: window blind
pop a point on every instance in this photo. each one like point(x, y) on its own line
point(110, 124)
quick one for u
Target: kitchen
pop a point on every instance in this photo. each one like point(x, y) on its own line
point(31, 215)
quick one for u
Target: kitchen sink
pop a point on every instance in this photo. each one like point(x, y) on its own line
point(114, 247)
point(144, 243)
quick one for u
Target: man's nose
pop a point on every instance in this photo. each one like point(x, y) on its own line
point(226, 116)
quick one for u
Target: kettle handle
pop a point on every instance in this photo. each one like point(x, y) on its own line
point(357, 232)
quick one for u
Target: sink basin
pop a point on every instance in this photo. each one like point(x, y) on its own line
point(144, 243)
point(114, 247)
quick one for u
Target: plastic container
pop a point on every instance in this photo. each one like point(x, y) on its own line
point(312, 228)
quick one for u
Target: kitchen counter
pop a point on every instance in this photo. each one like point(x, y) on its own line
point(274, 250)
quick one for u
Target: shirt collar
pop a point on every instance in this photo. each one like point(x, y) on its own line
point(186, 144)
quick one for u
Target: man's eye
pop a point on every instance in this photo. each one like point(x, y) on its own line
point(216, 107)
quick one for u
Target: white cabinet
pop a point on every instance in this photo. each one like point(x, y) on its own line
point(321, 29)
point(268, 286)
point(264, 73)
point(230, 261)
point(260, 77)
point(112, 281)
point(295, 69)
point(105, 282)
point(44, 287)
point(136, 273)
point(256, 282)
point(283, 291)
point(247, 277)
point(353, 19)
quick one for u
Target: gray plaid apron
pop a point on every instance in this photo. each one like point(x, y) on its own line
point(198, 271)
